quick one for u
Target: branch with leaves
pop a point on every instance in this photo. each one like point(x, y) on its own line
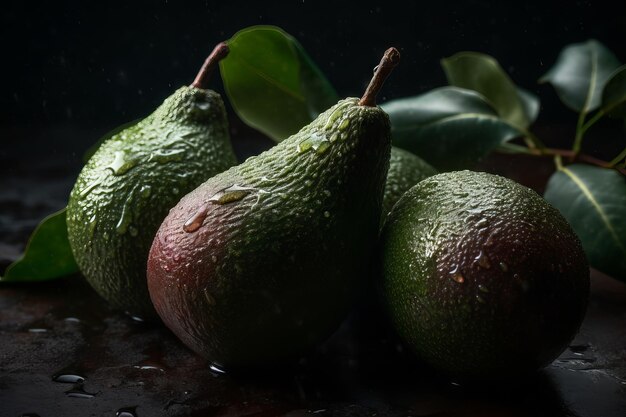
point(481, 111)
point(276, 88)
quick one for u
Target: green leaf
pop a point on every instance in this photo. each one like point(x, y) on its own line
point(593, 200)
point(580, 74)
point(48, 254)
point(449, 127)
point(614, 94)
point(93, 148)
point(531, 104)
point(482, 73)
point(272, 83)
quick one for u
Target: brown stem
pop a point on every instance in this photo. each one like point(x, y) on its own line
point(576, 156)
point(219, 52)
point(389, 60)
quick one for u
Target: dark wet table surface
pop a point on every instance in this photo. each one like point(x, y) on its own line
point(63, 352)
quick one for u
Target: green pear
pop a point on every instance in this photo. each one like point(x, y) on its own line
point(405, 170)
point(128, 186)
point(264, 260)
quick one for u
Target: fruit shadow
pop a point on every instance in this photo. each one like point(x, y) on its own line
point(366, 363)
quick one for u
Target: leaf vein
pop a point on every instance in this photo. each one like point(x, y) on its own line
point(605, 219)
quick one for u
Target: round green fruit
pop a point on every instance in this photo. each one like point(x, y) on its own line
point(405, 170)
point(481, 277)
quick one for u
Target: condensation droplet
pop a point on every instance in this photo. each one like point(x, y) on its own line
point(456, 275)
point(209, 298)
point(165, 156)
point(231, 194)
point(482, 260)
point(194, 222)
point(125, 217)
point(202, 105)
point(120, 164)
point(83, 193)
point(145, 191)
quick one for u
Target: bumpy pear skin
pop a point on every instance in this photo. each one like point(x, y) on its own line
point(127, 187)
point(405, 170)
point(264, 260)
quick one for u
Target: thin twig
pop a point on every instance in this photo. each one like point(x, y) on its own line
point(618, 158)
point(574, 156)
point(578, 140)
point(219, 52)
point(389, 60)
point(592, 121)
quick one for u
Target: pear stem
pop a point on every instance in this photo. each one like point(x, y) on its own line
point(219, 52)
point(388, 62)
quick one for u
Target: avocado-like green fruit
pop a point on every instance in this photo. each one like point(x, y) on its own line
point(481, 276)
point(127, 187)
point(405, 170)
point(264, 260)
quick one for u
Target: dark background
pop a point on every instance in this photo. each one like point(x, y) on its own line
point(104, 63)
point(72, 71)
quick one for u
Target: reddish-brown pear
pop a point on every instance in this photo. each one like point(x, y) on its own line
point(264, 260)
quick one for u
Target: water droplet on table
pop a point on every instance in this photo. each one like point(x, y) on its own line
point(134, 317)
point(148, 368)
point(78, 391)
point(68, 378)
point(37, 330)
point(127, 412)
point(217, 369)
point(72, 320)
